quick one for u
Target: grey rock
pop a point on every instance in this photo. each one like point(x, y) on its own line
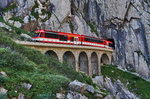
point(75, 95)
point(21, 2)
point(42, 1)
point(60, 96)
point(108, 97)
point(26, 19)
point(26, 36)
point(27, 86)
point(21, 96)
point(3, 90)
point(90, 88)
point(4, 25)
point(118, 90)
point(99, 96)
point(98, 80)
point(123, 92)
point(110, 86)
point(3, 73)
point(3, 3)
point(17, 24)
point(77, 86)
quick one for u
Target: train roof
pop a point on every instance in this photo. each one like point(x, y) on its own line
point(64, 33)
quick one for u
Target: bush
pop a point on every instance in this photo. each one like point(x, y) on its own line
point(3, 96)
point(2, 80)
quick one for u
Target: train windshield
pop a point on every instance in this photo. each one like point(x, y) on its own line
point(36, 34)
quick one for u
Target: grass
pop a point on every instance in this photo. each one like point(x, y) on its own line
point(46, 75)
point(136, 84)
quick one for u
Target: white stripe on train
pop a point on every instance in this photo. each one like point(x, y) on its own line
point(54, 40)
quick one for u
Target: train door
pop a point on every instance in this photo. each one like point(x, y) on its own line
point(76, 40)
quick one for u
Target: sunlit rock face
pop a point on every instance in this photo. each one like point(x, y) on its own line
point(127, 22)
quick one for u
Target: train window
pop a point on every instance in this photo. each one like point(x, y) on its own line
point(100, 41)
point(41, 35)
point(110, 45)
point(63, 38)
point(71, 39)
point(36, 34)
point(87, 39)
point(51, 35)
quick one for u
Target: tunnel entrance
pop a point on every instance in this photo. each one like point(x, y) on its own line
point(94, 63)
point(113, 43)
point(69, 58)
point(104, 59)
point(83, 62)
point(51, 54)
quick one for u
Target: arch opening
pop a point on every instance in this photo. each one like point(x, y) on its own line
point(69, 58)
point(104, 59)
point(83, 62)
point(94, 63)
point(51, 53)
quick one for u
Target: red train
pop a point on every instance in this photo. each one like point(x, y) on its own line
point(49, 36)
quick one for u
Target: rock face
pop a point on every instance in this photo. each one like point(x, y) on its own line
point(116, 89)
point(126, 22)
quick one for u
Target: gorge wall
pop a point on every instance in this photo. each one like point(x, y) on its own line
point(127, 22)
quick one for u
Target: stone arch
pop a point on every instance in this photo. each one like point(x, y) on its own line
point(104, 59)
point(69, 58)
point(94, 63)
point(83, 62)
point(51, 53)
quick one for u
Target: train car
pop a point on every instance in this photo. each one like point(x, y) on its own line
point(49, 36)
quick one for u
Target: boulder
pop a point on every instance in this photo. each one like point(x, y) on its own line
point(17, 24)
point(27, 85)
point(75, 95)
point(109, 97)
point(3, 90)
point(110, 86)
point(3, 25)
point(3, 73)
point(60, 96)
point(77, 86)
point(90, 89)
point(26, 36)
point(98, 80)
point(21, 96)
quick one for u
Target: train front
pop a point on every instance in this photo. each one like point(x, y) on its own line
point(36, 35)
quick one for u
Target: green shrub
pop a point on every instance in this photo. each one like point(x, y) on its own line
point(13, 6)
point(3, 96)
point(2, 80)
point(17, 19)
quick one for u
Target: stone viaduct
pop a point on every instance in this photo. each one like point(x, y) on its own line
point(82, 58)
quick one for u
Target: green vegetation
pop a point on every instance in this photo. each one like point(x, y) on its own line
point(15, 29)
point(35, 14)
point(13, 6)
point(17, 19)
point(93, 28)
point(71, 27)
point(22, 64)
point(135, 84)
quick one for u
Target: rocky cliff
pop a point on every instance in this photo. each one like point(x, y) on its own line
point(126, 22)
